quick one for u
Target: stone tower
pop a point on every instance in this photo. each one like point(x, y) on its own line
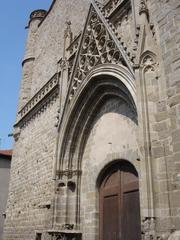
point(97, 136)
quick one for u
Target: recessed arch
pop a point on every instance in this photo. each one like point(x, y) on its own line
point(102, 85)
point(102, 81)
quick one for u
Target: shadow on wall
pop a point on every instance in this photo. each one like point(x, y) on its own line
point(5, 165)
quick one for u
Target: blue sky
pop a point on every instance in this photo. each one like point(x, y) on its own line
point(13, 20)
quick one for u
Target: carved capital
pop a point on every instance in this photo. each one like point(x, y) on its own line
point(69, 173)
point(148, 228)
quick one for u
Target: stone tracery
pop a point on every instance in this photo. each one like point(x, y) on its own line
point(97, 48)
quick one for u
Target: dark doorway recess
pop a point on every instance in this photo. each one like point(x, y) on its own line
point(119, 203)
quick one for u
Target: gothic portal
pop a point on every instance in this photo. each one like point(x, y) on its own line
point(97, 135)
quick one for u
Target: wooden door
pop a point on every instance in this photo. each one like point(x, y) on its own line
point(119, 204)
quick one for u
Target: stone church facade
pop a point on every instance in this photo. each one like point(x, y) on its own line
point(97, 136)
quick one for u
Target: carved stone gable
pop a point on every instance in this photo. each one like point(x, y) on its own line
point(97, 47)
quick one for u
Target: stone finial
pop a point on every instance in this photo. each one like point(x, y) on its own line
point(143, 7)
point(68, 31)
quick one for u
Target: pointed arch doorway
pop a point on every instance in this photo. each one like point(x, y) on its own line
point(119, 203)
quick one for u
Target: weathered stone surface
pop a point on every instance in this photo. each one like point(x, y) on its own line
point(123, 71)
point(175, 236)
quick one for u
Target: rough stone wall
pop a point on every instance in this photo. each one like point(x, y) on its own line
point(29, 207)
point(166, 150)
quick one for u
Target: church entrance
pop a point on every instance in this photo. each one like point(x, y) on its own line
point(119, 204)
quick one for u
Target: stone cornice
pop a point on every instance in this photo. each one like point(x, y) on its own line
point(37, 103)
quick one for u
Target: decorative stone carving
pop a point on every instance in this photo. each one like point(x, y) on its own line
point(68, 226)
point(143, 8)
point(148, 229)
point(99, 44)
point(97, 47)
point(65, 234)
point(136, 41)
point(72, 48)
point(57, 118)
point(111, 6)
point(69, 173)
point(65, 237)
point(49, 91)
point(68, 32)
point(71, 52)
point(148, 63)
point(63, 64)
point(152, 29)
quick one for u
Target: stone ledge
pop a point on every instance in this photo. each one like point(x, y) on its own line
point(45, 93)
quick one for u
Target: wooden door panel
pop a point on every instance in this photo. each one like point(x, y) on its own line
point(131, 187)
point(131, 216)
point(110, 218)
point(119, 204)
point(111, 191)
